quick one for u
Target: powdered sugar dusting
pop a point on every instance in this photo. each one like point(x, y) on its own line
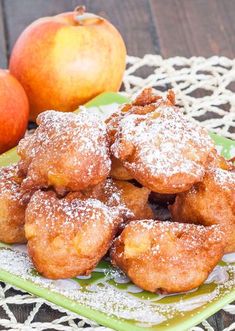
point(57, 126)
point(73, 144)
point(8, 182)
point(114, 200)
point(47, 206)
point(196, 236)
point(224, 178)
point(165, 141)
point(110, 195)
point(103, 296)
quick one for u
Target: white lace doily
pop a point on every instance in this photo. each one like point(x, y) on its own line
point(204, 87)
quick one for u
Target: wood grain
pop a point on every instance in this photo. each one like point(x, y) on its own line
point(200, 28)
point(133, 19)
point(3, 45)
point(21, 13)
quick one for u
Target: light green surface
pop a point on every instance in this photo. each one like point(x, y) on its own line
point(178, 322)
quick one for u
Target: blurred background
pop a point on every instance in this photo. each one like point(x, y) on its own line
point(166, 27)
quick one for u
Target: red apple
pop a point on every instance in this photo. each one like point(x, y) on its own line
point(14, 111)
point(65, 60)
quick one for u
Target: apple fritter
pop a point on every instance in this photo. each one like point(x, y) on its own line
point(127, 201)
point(67, 237)
point(167, 257)
point(68, 152)
point(12, 209)
point(109, 194)
point(161, 148)
point(144, 103)
point(211, 201)
point(135, 199)
point(118, 171)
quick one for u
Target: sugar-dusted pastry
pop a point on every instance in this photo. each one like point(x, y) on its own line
point(211, 201)
point(127, 200)
point(68, 151)
point(118, 171)
point(67, 237)
point(167, 257)
point(160, 147)
point(12, 209)
point(135, 199)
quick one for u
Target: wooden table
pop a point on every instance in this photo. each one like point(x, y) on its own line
point(166, 27)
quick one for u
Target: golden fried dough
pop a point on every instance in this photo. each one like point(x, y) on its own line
point(67, 151)
point(218, 161)
point(127, 201)
point(147, 97)
point(109, 194)
point(12, 210)
point(118, 171)
point(210, 202)
point(135, 199)
point(161, 148)
point(167, 257)
point(67, 237)
point(144, 103)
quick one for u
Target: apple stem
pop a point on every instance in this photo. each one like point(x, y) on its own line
point(83, 18)
point(80, 10)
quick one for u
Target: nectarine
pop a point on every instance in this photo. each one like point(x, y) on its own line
point(14, 111)
point(66, 60)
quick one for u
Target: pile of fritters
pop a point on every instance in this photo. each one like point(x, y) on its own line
point(82, 190)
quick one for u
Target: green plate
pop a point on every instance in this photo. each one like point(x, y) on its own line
point(107, 296)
